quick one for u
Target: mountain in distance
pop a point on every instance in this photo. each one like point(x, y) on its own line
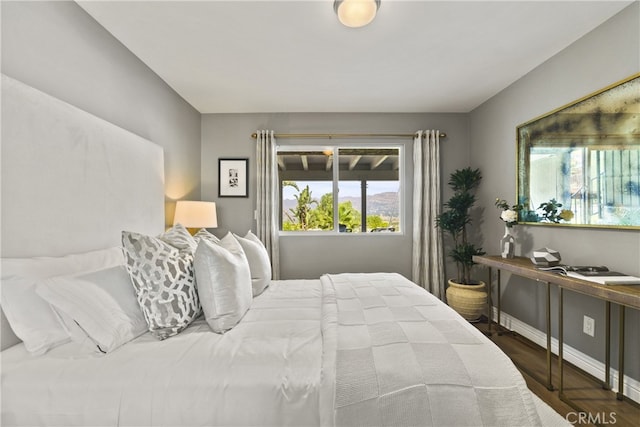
point(383, 204)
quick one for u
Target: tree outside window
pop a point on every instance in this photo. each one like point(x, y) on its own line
point(367, 181)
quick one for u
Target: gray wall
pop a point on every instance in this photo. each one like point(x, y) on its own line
point(59, 49)
point(608, 54)
point(229, 135)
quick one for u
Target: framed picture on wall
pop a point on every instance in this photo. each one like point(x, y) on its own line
point(233, 178)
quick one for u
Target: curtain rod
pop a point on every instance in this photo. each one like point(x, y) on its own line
point(344, 135)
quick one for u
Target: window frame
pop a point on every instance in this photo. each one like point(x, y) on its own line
point(334, 148)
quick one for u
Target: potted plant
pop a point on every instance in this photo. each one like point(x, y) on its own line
point(465, 295)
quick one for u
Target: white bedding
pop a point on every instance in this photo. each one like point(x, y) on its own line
point(266, 371)
point(278, 367)
point(405, 358)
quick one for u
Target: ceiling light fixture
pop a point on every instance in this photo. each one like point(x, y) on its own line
point(356, 13)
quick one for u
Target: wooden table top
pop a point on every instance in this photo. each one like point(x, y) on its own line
point(627, 295)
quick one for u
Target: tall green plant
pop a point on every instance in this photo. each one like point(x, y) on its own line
point(456, 217)
point(302, 211)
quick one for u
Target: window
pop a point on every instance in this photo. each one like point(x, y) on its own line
point(366, 180)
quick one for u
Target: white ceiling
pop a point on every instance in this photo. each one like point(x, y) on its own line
point(294, 56)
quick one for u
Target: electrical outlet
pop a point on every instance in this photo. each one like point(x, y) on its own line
point(589, 326)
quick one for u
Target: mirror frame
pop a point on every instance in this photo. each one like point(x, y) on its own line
point(523, 145)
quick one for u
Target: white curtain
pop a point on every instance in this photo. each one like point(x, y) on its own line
point(428, 259)
point(267, 197)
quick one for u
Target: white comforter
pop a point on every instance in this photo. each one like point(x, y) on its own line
point(346, 349)
point(265, 371)
point(405, 358)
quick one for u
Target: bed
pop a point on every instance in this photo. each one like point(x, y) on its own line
point(345, 349)
point(351, 349)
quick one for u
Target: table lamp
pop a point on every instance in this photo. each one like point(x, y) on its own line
point(195, 215)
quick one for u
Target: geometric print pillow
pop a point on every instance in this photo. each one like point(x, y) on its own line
point(164, 282)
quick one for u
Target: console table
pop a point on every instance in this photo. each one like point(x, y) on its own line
point(622, 295)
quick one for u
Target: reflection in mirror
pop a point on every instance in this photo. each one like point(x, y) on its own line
point(584, 157)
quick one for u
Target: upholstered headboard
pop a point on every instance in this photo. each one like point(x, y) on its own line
point(71, 182)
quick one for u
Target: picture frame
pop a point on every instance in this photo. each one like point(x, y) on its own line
point(233, 177)
point(583, 158)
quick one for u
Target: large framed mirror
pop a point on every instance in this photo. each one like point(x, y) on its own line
point(579, 165)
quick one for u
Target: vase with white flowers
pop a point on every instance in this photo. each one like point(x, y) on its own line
point(509, 215)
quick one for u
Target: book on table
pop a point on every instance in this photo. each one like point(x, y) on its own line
point(598, 274)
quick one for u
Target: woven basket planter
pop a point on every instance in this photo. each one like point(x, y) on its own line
point(470, 301)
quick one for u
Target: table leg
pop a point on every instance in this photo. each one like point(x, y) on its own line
point(498, 302)
point(561, 394)
point(607, 355)
point(620, 394)
point(548, 315)
point(560, 341)
point(489, 314)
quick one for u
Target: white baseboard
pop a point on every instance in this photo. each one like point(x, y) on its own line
point(586, 363)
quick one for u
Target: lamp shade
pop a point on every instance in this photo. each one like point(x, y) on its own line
point(356, 13)
point(193, 214)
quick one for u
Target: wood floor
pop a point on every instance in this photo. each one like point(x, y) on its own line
point(593, 404)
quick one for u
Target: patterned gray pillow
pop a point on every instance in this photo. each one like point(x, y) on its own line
point(162, 276)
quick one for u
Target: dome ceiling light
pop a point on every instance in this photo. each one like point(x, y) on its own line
point(356, 13)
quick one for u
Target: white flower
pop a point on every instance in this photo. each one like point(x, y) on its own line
point(509, 215)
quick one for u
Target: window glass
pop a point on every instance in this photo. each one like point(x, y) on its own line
point(307, 205)
point(366, 180)
point(383, 206)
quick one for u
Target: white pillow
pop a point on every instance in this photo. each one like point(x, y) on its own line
point(179, 237)
point(163, 279)
point(42, 267)
point(204, 234)
point(32, 318)
point(102, 303)
point(259, 263)
point(224, 282)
